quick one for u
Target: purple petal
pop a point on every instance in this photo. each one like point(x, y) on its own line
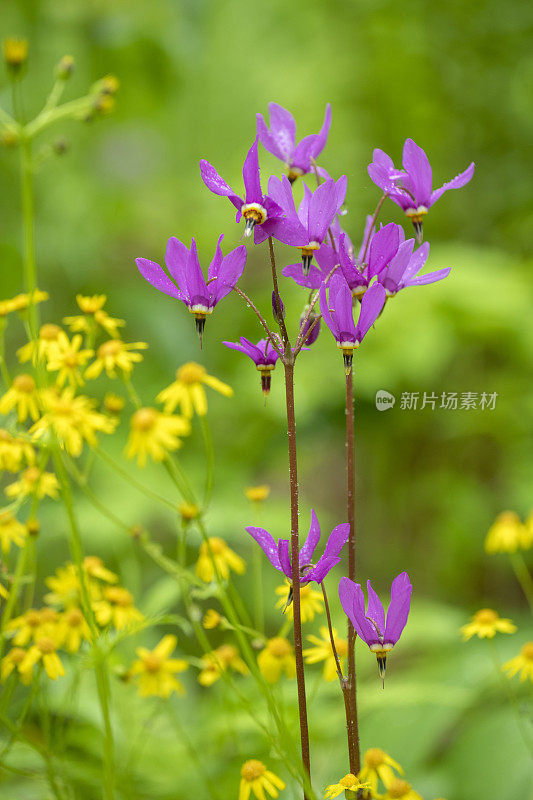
point(384, 246)
point(313, 537)
point(456, 183)
point(340, 191)
point(375, 610)
point(416, 164)
point(303, 153)
point(321, 568)
point(324, 310)
point(337, 539)
point(218, 185)
point(416, 260)
point(230, 271)
point(341, 304)
point(311, 281)
point(284, 557)
point(322, 209)
point(280, 191)
point(214, 266)
point(323, 134)
point(398, 611)
point(250, 174)
point(392, 276)
point(429, 277)
point(267, 139)
point(196, 286)
point(282, 130)
point(267, 544)
point(288, 231)
point(176, 257)
point(326, 257)
point(371, 305)
point(353, 604)
point(153, 273)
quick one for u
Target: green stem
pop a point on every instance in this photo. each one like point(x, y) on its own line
point(28, 216)
point(507, 690)
point(73, 108)
point(209, 458)
point(133, 481)
point(523, 576)
point(181, 730)
point(3, 364)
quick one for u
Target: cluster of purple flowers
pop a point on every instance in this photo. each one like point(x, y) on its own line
point(351, 286)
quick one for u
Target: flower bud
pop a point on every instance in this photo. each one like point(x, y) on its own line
point(33, 527)
point(312, 325)
point(15, 53)
point(65, 68)
point(278, 309)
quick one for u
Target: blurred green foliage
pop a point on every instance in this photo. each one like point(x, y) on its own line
point(457, 78)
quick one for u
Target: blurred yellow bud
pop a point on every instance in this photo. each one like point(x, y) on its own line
point(15, 52)
point(65, 68)
point(257, 493)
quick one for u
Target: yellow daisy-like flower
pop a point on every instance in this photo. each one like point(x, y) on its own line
point(12, 661)
point(49, 337)
point(11, 532)
point(211, 619)
point(66, 358)
point(322, 651)
point(257, 493)
point(44, 650)
point(154, 434)
point(22, 395)
point(65, 586)
point(22, 301)
point(35, 624)
point(399, 788)
point(277, 659)
point(155, 670)
point(311, 601)
point(216, 557)
point(74, 630)
point(522, 663)
point(116, 608)
point(72, 419)
point(508, 534)
point(188, 391)
point(32, 482)
point(350, 782)
point(93, 307)
point(95, 568)
point(486, 624)
point(257, 779)
point(115, 354)
point(14, 452)
point(378, 765)
point(113, 403)
point(218, 661)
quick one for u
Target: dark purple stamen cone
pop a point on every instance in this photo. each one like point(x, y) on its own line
point(200, 325)
point(348, 359)
point(249, 226)
point(266, 380)
point(419, 231)
point(306, 264)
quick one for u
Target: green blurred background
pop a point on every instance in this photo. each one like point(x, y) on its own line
point(456, 77)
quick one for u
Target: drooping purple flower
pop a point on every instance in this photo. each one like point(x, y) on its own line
point(280, 558)
point(280, 140)
point(310, 331)
point(262, 354)
point(403, 269)
point(263, 216)
point(383, 245)
point(338, 314)
point(412, 187)
point(369, 623)
point(188, 283)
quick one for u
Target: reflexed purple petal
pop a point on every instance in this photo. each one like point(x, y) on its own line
point(288, 231)
point(282, 130)
point(323, 134)
point(416, 260)
point(375, 610)
point(429, 277)
point(214, 266)
point(398, 611)
point(371, 305)
point(337, 539)
point(352, 275)
point(340, 191)
point(284, 557)
point(153, 273)
point(216, 184)
point(324, 310)
point(322, 209)
point(326, 258)
point(383, 247)
point(229, 273)
point(311, 281)
point(251, 350)
point(267, 139)
point(321, 568)
point(456, 183)
point(416, 163)
point(176, 257)
point(303, 153)
point(250, 174)
point(341, 304)
point(392, 276)
point(267, 544)
point(353, 604)
point(196, 286)
point(280, 191)
point(313, 537)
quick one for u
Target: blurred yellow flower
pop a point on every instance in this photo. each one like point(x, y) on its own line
point(322, 651)
point(348, 783)
point(93, 307)
point(74, 630)
point(256, 779)
point(154, 434)
point(216, 557)
point(115, 354)
point(257, 493)
point(15, 52)
point(522, 663)
point(22, 395)
point(12, 661)
point(211, 619)
point(66, 358)
point(14, 451)
point(311, 601)
point(188, 391)
point(218, 661)
point(32, 482)
point(155, 670)
point(65, 586)
point(35, 624)
point(486, 624)
point(508, 534)
point(44, 650)
point(188, 511)
point(49, 337)
point(116, 608)
point(22, 301)
point(276, 659)
point(72, 419)
point(378, 765)
point(11, 532)
point(113, 403)
point(95, 567)
point(399, 788)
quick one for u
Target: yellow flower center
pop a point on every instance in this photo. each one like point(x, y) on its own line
point(33, 618)
point(227, 653)
point(46, 645)
point(17, 655)
point(48, 615)
point(74, 618)
point(144, 419)
point(527, 651)
point(188, 510)
point(190, 373)
point(486, 616)
point(24, 383)
point(118, 596)
point(151, 662)
point(374, 757)
point(398, 788)
point(5, 436)
point(348, 780)
point(217, 545)
point(31, 475)
point(252, 770)
point(111, 348)
point(279, 647)
point(49, 332)
point(71, 358)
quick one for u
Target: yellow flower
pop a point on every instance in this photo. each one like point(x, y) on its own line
point(15, 52)
point(522, 663)
point(66, 358)
point(154, 434)
point(378, 765)
point(277, 659)
point(211, 619)
point(113, 403)
point(44, 650)
point(188, 511)
point(256, 778)
point(32, 482)
point(508, 534)
point(95, 568)
point(3, 592)
point(90, 304)
point(22, 301)
point(22, 395)
point(188, 391)
point(74, 630)
point(324, 652)
point(311, 601)
point(12, 661)
point(65, 586)
point(399, 788)
point(216, 557)
point(93, 306)
point(115, 354)
point(486, 624)
point(350, 782)
point(49, 337)
point(13, 452)
point(257, 493)
point(11, 532)
point(35, 624)
point(155, 670)
point(116, 608)
point(218, 661)
point(72, 419)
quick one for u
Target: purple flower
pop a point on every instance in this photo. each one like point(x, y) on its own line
point(280, 140)
point(279, 555)
point(370, 623)
point(338, 314)
point(312, 327)
point(383, 246)
point(411, 187)
point(403, 269)
point(262, 214)
point(315, 214)
point(262, 354)
point(188, 283)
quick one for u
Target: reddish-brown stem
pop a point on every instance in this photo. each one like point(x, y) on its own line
point(331, 636)
point(299, 342)
point(351, 721)
point(297, 622)
point(270, 335)
point(281, 321)
point(374, 218)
